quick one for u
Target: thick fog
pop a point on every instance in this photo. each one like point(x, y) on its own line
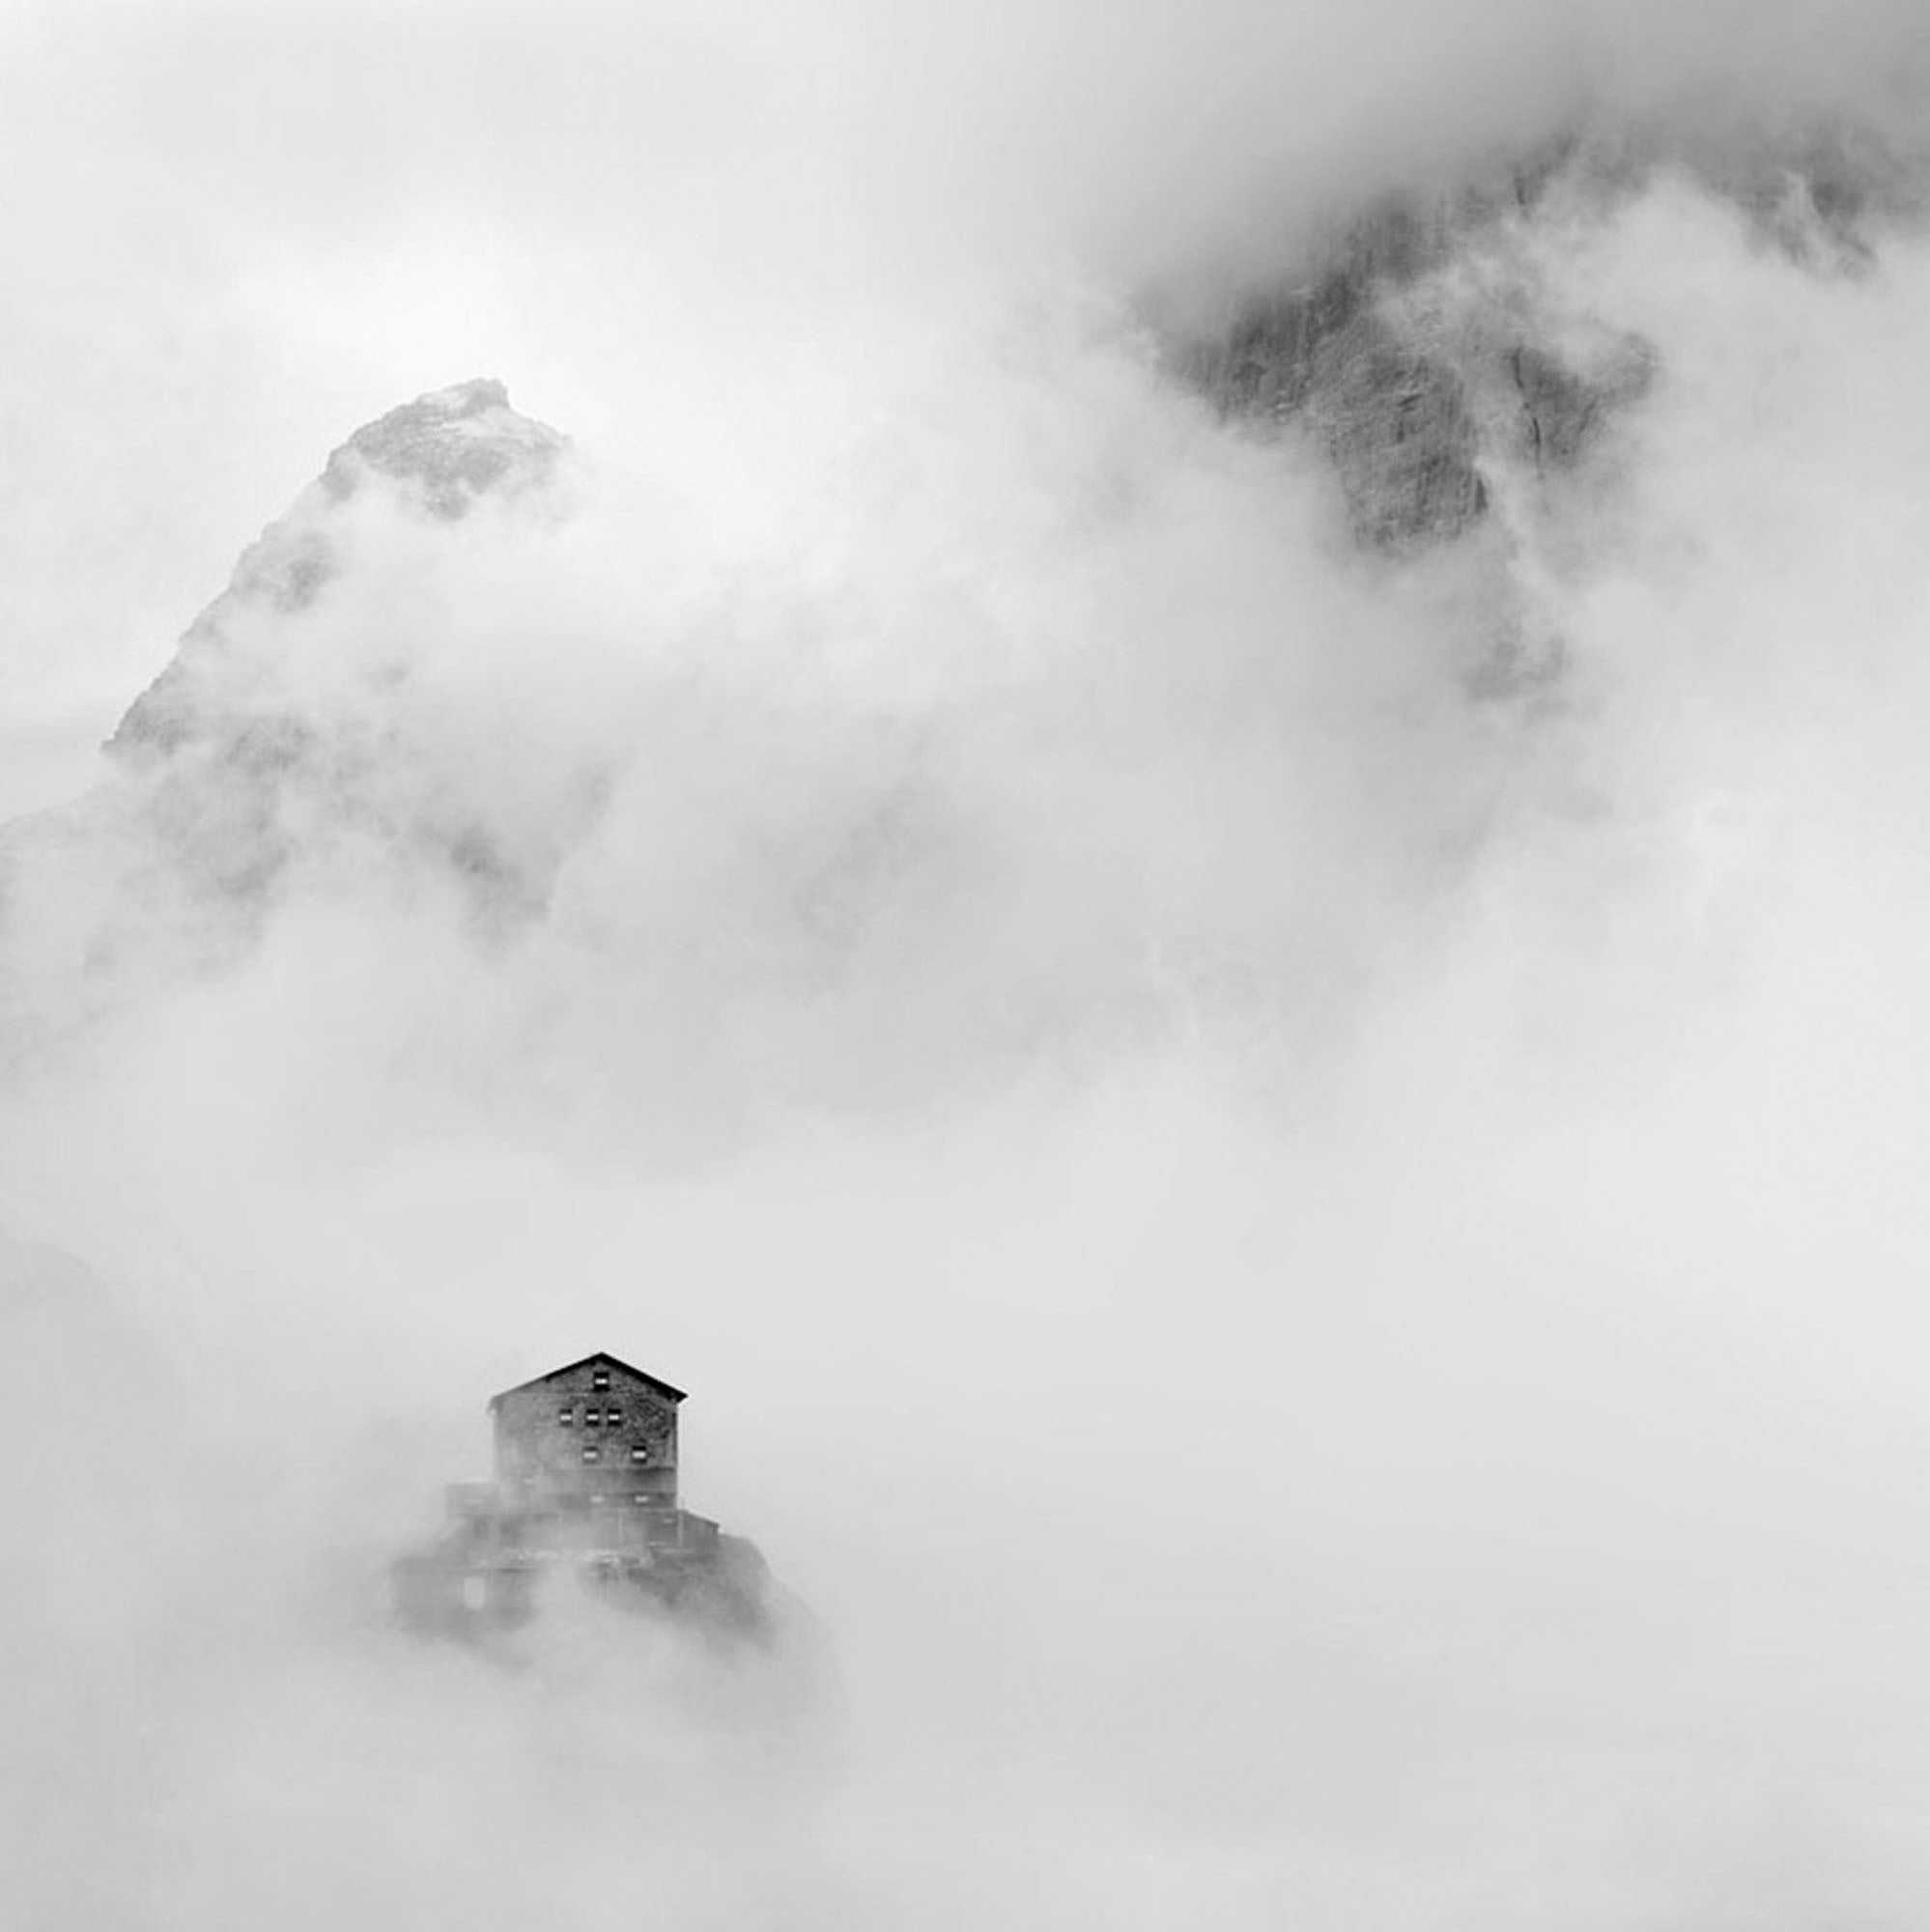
point(1314, 1269)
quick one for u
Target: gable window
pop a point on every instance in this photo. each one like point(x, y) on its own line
point(640, 1454)
point(599, 1378)
point(592, 1453)
point(612, 1416)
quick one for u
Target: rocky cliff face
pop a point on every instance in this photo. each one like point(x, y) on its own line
point(1418, 384)
point(1414, 349)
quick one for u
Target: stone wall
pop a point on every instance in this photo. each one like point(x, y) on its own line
point(541, 1455)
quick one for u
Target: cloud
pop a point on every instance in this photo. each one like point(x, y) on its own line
point(1312, 1271)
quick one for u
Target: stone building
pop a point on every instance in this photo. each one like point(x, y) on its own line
point(597, 1435)
point(585, 1483)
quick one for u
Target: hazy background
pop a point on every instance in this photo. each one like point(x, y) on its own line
point(1320, 1281)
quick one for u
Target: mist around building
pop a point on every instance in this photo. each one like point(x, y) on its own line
point(585, 1493)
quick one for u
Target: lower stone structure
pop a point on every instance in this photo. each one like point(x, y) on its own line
point(584, 1493)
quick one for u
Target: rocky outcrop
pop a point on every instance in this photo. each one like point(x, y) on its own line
point(1417, 393)
point(437, 458)
point(449, 449)
point(1427, 388)
point(299, 717)
point(271, 723)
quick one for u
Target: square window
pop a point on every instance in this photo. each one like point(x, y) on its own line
point(612, 1416)
point(592, 1415)
point(599, 1378)
point(593, 1454)
point(566, 1416)
point(640, 1454)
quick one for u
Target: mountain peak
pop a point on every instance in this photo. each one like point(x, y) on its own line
point(448, 447)
point(442, 455)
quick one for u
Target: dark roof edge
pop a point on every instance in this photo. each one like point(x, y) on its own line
point(600, 1356)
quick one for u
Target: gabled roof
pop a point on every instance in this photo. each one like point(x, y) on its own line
point(549, 1375)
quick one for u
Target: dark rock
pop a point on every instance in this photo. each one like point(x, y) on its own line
point(1391, 389)
point(1422, 384)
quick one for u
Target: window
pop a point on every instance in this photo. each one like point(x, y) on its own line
point(612, 1416)
point(566, 1416)
point(640, 1454)
point(639, 1497)
point(592, 1453)
point(599, 1378)
point(592, 1415)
